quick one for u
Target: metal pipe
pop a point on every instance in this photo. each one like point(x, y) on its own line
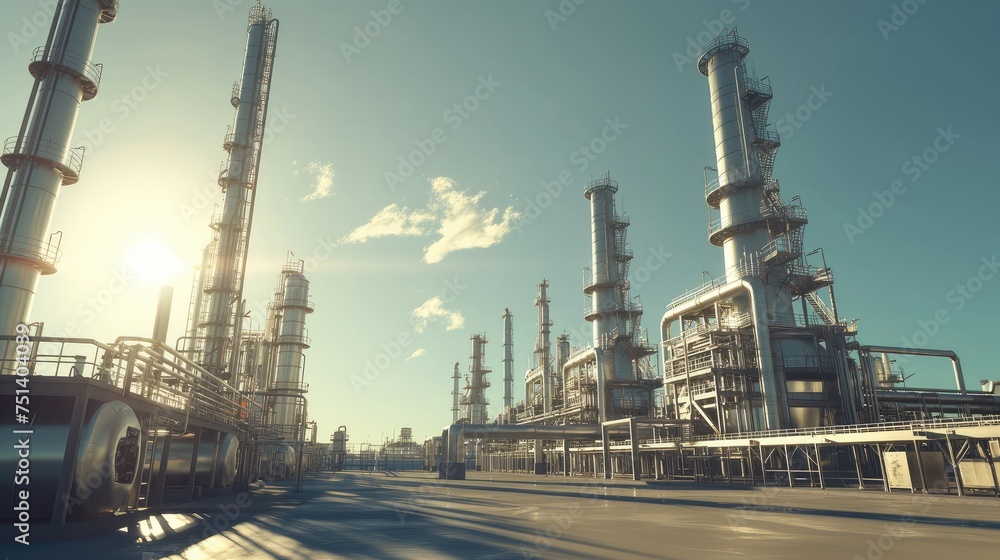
point(956, 363)
point(775, 415)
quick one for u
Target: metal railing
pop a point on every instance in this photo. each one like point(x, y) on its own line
point(143, 368)
point(993, 420)
point(69, 160)
point(79, 66)
point(34, 249)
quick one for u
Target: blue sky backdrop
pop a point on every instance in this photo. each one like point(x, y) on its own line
point(489, 102)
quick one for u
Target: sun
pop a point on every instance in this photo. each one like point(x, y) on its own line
point(152, 261)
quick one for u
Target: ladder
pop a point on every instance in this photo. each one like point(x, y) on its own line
point(820, 308)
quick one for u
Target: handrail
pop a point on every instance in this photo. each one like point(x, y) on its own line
point(69, 158)
point(992, 420)
point(82, 66)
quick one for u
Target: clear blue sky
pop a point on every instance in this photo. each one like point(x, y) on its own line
point(554, 83)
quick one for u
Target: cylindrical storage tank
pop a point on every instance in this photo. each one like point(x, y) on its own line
point(107, 457)
point(107, 463)
point(181, 451)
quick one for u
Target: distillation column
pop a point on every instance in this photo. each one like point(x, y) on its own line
point(239, 181)
point(543, 346)
point(455, 394)
point(508, 359)
point(614, 317)
point(475, 390)
point(751, 213)
point(40, 160)
point(292, 340)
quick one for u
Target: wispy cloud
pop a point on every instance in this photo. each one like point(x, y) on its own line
point(463, 224)
point(432, 310)
point(453, 214)
point(322, 181)
point(392, 220)
point(416, 354)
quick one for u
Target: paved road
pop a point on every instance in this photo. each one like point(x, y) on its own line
point(413, 515)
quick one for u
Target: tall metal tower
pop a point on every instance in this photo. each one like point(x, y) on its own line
point(743, 358)
point(543, 347)
point(475, 388)
point(219, 324)
point(40, 160)
point(613, 314)
point(292, 340)
point(508, 359)
point(754, 226)
point(456, 395)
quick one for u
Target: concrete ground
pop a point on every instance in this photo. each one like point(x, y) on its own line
point(414, 515)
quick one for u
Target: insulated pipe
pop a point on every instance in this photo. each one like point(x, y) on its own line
point(955, 362)
point(508, 359)
point(942, 398)
point(775, 415)
point(40, 159)
point(456, 434)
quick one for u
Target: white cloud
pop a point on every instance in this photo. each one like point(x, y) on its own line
point(416, 354)
point(391, 220)
point(322, 181)
point(453, 214)
point(463, 224)
point(432, 310)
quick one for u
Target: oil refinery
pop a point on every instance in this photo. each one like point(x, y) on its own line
point(755, 381)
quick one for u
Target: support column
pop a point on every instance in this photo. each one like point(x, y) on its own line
point(857, 465)
point(954, 464)
point(193, 470)
point(633, 430)
point(920, 467)
point(606, 449)
point(539, 458)
point(819, 467)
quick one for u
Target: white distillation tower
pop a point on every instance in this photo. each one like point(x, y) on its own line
point(292, 341)
point(752, 220)
point(40, 160)
point(222, 273)
point(613, 314)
